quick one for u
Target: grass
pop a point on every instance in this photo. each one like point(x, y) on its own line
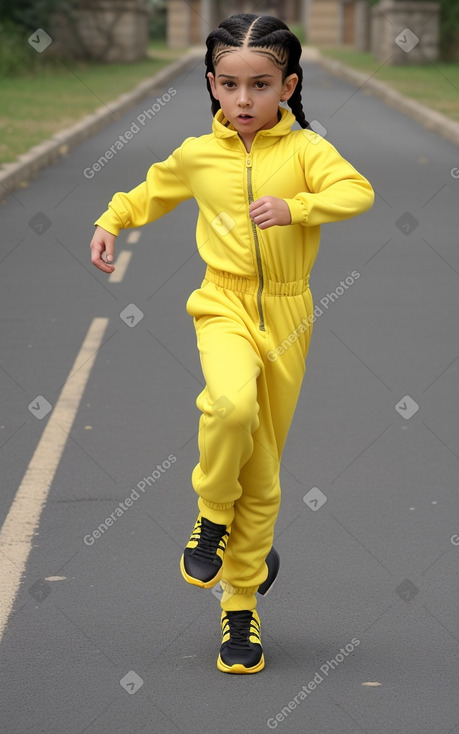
point(299, 31)
point(435, 85)
point(38, 103)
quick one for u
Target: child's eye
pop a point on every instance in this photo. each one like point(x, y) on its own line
point(229, 84)
point(260, 85)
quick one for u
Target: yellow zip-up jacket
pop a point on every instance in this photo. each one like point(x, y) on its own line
point(298, 166)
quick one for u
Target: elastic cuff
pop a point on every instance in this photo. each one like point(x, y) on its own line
point(222, 514)
point(110, 221)
point(298, 212)
point(242, 590)
point(237, 602)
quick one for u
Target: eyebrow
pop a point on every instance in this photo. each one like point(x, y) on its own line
point(259, 76)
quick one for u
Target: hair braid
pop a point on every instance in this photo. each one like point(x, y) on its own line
point(282, 48)
point(294, 67)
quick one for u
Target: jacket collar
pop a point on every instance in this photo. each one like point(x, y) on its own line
point(227, 135)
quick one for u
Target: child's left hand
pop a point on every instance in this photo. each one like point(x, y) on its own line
point(269, 211)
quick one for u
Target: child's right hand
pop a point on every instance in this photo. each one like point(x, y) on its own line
point(102, 242)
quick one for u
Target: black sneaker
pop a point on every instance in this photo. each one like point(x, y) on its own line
point(273, 562)
point(241, 650)
point(202, 559)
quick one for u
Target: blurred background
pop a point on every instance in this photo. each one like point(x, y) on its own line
point(62, 59)
point(359, 23)
point(114, 30)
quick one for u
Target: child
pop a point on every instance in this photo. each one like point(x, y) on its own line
point(263, 191)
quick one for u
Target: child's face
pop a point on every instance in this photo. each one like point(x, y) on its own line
point(249, 88)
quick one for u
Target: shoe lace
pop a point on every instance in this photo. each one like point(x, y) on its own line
point(210, 539)
point(239, 624)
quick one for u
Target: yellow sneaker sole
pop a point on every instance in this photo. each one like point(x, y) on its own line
point(196, 582)
point(239, 669)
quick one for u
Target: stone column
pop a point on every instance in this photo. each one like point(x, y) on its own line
point(324, 22)
point(362, 26)
point(178, 24)
point(207, 13)
point(405, 31)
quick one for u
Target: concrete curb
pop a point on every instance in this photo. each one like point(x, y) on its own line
point(16, 174)
point(430, 119)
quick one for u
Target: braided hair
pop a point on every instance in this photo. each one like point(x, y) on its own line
point(280, 45)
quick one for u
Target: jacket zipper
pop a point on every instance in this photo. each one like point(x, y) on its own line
point(257, 249)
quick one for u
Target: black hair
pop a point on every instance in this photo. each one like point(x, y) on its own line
point(259, 31)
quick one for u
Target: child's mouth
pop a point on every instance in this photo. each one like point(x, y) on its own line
point(245, 118)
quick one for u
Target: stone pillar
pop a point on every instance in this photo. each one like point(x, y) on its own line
point(375, 31)
point(405, 31)
point(208, 19)
point(178, 24)
point(288, 11)
point(362, 26)
point(324, 22)
point(304, 15)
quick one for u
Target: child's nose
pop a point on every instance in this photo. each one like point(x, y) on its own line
point(244, 97)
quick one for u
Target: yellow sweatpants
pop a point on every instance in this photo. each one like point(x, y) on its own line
point(253, 379)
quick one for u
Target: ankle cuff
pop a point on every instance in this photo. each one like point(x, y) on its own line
point(235, 600)
point(221, 514)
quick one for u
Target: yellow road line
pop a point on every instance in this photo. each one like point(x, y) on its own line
point(23, 518)
point(122, 262)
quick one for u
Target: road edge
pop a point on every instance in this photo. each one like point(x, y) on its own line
point(27, 166)
point(18, 173)
point(430, 119)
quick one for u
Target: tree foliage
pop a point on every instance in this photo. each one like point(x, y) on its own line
point(449, 30)
point(28, 14)
point(81, 29)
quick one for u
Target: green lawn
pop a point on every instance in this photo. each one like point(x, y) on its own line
point(35, 105)
point(435, 85)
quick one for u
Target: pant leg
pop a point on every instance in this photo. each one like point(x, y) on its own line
point(255, 514)
point(228, 403)
point(257, 508)
point(247, 407)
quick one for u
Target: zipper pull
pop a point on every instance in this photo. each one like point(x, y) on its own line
point(248, 162)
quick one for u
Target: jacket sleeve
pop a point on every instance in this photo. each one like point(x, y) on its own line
point(336, 190)
point(166, 186)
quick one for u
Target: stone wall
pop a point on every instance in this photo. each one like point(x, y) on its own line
point(105, 30)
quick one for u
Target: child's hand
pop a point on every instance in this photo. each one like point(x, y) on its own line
point(102, 242)
point(268, 211)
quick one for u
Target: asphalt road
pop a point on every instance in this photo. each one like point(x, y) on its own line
point(104, 636)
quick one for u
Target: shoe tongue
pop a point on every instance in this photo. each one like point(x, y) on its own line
point(209, 525)
point(240, 627)
point(240, 614)
point(240, 620)
point(209, 540)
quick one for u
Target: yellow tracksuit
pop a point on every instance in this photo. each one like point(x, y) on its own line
point(254, 298)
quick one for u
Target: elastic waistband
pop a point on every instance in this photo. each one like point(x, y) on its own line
point(250, 285)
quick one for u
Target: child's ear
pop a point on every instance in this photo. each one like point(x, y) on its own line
point(213, 87)
point(288, 87)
